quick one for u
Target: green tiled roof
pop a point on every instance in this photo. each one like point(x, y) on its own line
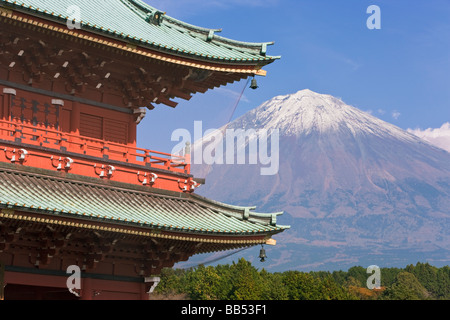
point(132, 20)
point(85, 199)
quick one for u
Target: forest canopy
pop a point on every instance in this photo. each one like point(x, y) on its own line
point(242, 281)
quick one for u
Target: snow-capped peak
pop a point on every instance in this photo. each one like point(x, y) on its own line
point(306, 111)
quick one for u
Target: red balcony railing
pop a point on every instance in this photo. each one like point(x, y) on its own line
point(67, 142)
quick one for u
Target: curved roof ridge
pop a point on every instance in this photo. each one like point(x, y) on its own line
point(148, 8)
point(241, 209)
point(221, 204)
point(206, 31)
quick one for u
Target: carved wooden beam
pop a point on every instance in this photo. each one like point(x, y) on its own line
point(167, 102)
point(175, 92)
point(8, 235)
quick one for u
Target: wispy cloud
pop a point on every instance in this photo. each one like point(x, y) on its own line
point(379, 112)
point(232, 94)
point(396, 114)
point(440, 137)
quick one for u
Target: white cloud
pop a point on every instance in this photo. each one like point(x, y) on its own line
point(396, 114)
point(439, 137)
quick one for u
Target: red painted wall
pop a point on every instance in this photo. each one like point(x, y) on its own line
point(73, 117)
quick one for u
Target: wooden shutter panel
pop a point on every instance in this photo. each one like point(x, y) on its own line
point(116, 131)
point(91, 126)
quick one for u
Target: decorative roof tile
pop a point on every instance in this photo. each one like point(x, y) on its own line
point(26, 191)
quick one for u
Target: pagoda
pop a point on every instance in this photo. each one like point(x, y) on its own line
point(75, 189)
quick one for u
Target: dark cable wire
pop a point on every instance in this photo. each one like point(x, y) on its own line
point(225, 127)
point(209, 168)
point(217, 259)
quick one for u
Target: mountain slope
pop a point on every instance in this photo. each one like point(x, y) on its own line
point(353, 187)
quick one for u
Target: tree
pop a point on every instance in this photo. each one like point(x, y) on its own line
point(273, 287)
point(246, 281)
point(389, 275)
point(406, 287)
point(202, 283)
point(427, 276)
point(359, 274)
point(304, 286)
point(173, 281)
point(443, 283)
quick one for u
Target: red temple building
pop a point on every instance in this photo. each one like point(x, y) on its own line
point(75, 189)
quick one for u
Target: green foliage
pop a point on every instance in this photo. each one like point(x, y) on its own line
point(359, 274)
point(204, 283)
point(274, 288)
point(389, 276)
point(406, 287)
point(443, 283)
point(242, 281)
point(306, 286)
point(246, 280)
point(174, 281)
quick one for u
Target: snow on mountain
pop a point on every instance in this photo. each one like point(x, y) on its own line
point(306, 111)
point(352, 186)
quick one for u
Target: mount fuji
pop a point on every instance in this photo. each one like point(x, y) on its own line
point(355, 190)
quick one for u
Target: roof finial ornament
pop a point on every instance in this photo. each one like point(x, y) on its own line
point(156, 17)
point(211, 35)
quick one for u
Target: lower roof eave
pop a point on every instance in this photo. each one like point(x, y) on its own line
point(133, 229)
point(67, 201)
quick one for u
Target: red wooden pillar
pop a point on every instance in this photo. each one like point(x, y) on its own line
point(7, 93)
point(5, 110)
point(145, 295)
point(132, 132)
point(75, 119)
point(86, 289)
point(3, 106)
point(2, 281)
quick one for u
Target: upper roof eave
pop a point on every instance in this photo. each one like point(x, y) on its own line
point(191, 41)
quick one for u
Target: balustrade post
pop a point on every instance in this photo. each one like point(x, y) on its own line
point(147, 158)
point(105, 150)
point(7, 101)
point(187, 158)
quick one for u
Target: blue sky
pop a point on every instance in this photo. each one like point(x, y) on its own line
point(400, 73)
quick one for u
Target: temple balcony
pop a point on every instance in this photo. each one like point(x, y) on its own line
point(40, 147)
